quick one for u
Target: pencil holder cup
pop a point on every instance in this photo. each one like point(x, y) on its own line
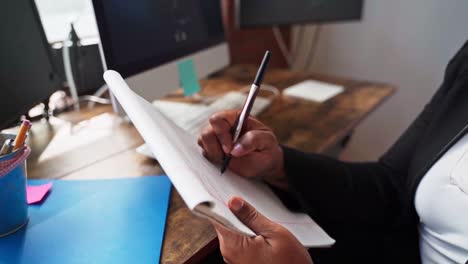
point(13, 201)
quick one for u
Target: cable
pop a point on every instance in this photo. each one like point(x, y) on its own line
point(300, 37)
point(94, 99)
point(75, 41)
point(282, 45)
point(98, 95)
point(69, 74)
point(313, 48)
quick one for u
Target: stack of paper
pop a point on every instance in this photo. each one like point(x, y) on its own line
point(198, 181)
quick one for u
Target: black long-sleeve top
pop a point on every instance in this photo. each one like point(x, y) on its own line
point(369, 207)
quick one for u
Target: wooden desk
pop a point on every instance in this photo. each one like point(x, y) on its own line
point(304, 125)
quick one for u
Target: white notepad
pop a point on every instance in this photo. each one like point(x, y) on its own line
point(313, 90)
point(198, 181)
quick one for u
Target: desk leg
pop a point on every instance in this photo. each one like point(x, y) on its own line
point(336, 150)
point(210, 254)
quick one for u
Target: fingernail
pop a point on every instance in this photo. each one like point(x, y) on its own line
point(225, 149)
point(237, 204)
point(214, 118)
point(237, 149)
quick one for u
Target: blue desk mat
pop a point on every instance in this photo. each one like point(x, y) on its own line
point(99, 221)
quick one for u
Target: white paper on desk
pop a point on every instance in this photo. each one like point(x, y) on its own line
point(198, 181)
point(313, 90)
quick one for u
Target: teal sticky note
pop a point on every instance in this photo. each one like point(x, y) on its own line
point(188, 77)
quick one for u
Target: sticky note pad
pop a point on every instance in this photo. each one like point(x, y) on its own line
point(35, 193)
point(188, 77)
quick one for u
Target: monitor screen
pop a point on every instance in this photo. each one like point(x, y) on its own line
point(27, 75)
point(138, 35)
point(254, 13)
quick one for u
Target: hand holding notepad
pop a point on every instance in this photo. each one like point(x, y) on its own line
point(198, 181)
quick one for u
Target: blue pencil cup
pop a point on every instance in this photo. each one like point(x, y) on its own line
point(13, 201)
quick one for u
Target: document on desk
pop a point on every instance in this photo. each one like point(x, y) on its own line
point(313, 90)
point(198, 181)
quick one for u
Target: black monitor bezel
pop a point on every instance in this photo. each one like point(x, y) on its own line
point(137, 67)
point(245, 25)
point(53, 78)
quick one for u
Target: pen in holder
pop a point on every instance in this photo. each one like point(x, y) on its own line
point(13, 202)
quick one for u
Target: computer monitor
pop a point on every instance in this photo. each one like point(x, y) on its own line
point(144, 39)
point(256, 13)
point(27, 73)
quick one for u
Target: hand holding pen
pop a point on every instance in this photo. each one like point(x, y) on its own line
point(256, 154)
point(248, 104)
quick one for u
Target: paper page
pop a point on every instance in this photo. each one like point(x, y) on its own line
point(313, 90)
point(176, 110)
point(265, 201)
point(181, 158)
point(165, 139)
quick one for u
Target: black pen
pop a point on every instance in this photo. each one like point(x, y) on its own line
point(244, 115)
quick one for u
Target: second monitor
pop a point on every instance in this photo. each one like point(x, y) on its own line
point(144, 39)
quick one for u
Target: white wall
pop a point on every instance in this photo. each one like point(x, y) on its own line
point(404, 42)
point(57, 15)
point(60, 6)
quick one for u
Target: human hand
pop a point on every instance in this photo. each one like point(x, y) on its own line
point(273, 243)
point(255, 154)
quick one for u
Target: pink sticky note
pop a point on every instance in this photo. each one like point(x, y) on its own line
point(35, 194)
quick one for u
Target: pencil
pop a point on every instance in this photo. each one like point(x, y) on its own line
point(21, 137)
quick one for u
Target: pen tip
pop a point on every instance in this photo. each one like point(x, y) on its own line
point(224, 167)
point(225, 163)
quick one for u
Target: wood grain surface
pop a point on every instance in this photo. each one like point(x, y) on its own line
point(297, 123)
